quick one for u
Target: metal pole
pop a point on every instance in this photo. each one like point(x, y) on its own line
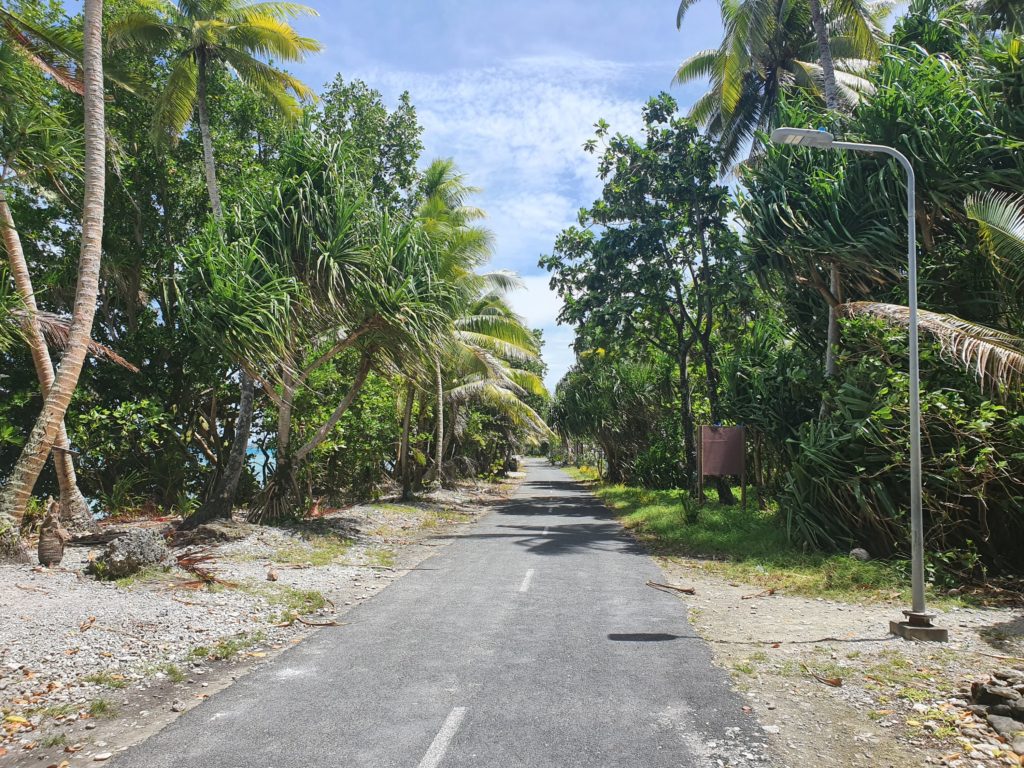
point(916, 515)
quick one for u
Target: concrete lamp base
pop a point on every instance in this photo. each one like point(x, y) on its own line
point(918, 626)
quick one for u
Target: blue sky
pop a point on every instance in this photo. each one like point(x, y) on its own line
point(511, 90)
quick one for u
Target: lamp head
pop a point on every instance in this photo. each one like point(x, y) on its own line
point(803, 137)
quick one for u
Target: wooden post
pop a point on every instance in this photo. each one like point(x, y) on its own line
point(700, 465)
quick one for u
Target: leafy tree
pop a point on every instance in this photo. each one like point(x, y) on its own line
point(652, 256)
point(385, 144)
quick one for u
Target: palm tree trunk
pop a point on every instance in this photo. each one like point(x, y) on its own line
point(18, 490)
point(403, 451)
point(836, 288)
point(73, 508)
point(209, 166)
point(828, 70)
point(435, 471)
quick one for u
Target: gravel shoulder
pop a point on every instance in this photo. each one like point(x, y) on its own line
point(88, 668)
point(899, 703)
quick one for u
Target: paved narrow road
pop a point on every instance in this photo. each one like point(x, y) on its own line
point(531, 642)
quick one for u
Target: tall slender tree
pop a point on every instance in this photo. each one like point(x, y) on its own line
point(15, 495)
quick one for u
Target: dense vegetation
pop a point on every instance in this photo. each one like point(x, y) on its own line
point(289, 305)
point(769, 291)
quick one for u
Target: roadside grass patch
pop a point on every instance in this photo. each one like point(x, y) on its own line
point(149, 575)
point(55, 710)
point(316, 550)
point(227, 647)
point(54, 740)
point(174, 673)
point(749, 546)
point(107, 679)
point(102, 708)
point(381, 556)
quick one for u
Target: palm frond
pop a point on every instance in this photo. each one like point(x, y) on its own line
point(995, 357)
point(1000, 217)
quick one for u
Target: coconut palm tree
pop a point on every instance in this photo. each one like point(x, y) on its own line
point(35, 143)
point(769, 47)
point(15, 495)
point(995, 356)
point(199, 36)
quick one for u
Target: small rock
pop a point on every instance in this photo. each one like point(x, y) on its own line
point(129, 554)
point(103, 756)
point(771, 729)
point(177, 706)
point(90, 726)
point(983, 693)
point(861, 554)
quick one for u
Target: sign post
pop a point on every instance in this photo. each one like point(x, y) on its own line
point(722, 451)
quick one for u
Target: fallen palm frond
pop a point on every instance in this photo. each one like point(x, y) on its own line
point(197, 562)
point(671, 589)
point(995, 357)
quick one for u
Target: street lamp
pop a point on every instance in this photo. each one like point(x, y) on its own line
point(918, 623)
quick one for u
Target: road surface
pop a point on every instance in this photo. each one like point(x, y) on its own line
point(531, 642)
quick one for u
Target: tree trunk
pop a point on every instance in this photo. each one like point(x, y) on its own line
point(715, 405)
point(403, 452)
point(435, 472)
point(686, 419)
point(74, 509)
point(222, 500)
point(203, 112)
point(836, 288)
point(828, 70)
point(18, 490)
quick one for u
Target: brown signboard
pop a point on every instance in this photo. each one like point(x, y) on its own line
point(723, 451)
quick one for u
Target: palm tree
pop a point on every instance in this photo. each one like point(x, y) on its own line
point(769, 47)
point(201, 35)
point(15, 495)
point(995, 356)
point(34, 143)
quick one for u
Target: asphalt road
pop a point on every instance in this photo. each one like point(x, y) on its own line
point(531, 642)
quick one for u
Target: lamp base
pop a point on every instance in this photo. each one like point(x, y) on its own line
point(918, 626)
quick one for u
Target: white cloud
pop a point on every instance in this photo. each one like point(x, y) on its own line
point(517, 130)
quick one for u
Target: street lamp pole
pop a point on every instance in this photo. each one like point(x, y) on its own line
point(918, 623)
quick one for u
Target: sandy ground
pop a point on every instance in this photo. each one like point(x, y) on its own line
point(899, 703)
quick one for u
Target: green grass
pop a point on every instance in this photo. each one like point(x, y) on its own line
point(381, 556)
point(103, 708)
point(108, 679)
point(54, 740)
point(316, 550)
point(746, 546)
point(174, 673)
point(152, 574)
point(228, 647)
point(55, 710)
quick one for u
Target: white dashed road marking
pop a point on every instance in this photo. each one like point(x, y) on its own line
point(444, 737)
point(526, 581)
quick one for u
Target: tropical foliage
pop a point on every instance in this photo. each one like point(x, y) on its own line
point(300, 303)
point(808, 344)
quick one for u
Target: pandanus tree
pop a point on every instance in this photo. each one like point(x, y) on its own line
point(15, 495)
point(199, 37)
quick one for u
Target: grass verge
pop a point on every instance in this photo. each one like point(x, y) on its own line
point(746, 546)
